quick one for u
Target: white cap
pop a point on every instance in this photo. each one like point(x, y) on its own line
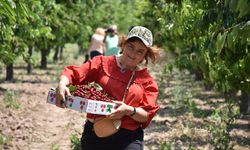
point(142, 33)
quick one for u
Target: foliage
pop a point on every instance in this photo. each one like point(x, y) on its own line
point(10, 100)
point(75, 142)
point(55, 147)
point(220, 131)
point(13, 14)
point(211, 37)
point(4, 140)
point(50, 23)
point(227, 52)
point(182, 98)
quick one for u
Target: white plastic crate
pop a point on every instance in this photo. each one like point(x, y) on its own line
point(84, 105)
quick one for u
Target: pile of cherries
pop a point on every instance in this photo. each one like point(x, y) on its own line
point(90, 92)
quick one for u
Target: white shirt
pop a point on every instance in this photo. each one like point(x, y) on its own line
point(96, 43)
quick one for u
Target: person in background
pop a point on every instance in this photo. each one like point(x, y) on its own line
point(96, 46)
point(111, 41)
point(135, 92)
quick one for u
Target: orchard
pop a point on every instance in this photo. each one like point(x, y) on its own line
point(203, 72)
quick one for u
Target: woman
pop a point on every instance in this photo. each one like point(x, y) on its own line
point(111, 41)
point(121, 77)
point(96, 46)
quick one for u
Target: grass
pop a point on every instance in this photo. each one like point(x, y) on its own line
point(10, 100)
point(4, 140)
point(55, 147)
point(75, 142)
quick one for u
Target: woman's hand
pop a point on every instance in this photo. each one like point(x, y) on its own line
point(122, 110)
point(61, 92)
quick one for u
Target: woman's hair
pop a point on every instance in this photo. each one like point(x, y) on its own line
point(100, 31)
point(152, 53)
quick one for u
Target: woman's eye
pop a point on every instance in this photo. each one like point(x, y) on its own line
point(130, 48)
point(139, 52)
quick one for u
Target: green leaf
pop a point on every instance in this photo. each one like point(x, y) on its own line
point(72, 88)
point(230, 42)
point(9, 12)
point(243, 7)
point(245, 30)
point(24, 8)
point(247, 64)
point(220, 41)
point(233, 5)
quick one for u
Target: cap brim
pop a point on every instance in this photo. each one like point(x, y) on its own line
point(144, 41)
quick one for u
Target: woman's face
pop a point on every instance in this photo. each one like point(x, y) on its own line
point(133, 53)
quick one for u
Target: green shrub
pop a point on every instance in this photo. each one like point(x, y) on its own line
point(10, 100)
point(220, 131)
point(75, 142)
point(55, 147)
point(4, 140)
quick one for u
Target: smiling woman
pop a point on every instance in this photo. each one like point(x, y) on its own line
point(133, 88)
point(139, 42)
point(134, 52)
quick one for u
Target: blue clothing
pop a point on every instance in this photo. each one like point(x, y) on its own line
point(112, 45)
point(111, 41)
point(112, 51)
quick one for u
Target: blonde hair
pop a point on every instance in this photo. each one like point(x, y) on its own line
point(153, 52)
point(100, 31)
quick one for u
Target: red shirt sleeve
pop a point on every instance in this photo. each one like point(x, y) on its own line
point(85, 72)
point(149, 101)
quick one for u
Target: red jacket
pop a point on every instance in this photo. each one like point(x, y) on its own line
point(104, 70)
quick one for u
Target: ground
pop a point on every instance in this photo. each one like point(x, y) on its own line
point(37, 125)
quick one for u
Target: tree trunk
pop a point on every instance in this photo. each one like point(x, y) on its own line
point(44, 53)
point(231, 95)
point(29, 67)
point(208, 86)
point(9, 72)
point(56, 55)
point(61, 53)
point(198, 74)
point(81, 50)
point(245, 102)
